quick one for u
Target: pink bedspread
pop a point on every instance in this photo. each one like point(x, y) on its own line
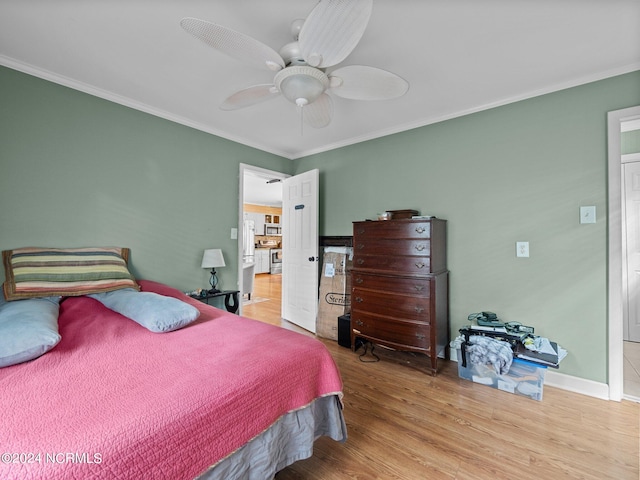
point(113, 400)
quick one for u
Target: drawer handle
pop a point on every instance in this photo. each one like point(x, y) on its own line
point(419, 288)
point(420, 336)
point(360, 261)
point(360, 246)
point(421, 229)
point(421, 265)
point(359, 280)
point(419, 309)
point(359, 323)
point(361, 231)
point(420, 248)
point(359, 299)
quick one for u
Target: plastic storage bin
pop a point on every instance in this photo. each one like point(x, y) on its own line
point(524, 378)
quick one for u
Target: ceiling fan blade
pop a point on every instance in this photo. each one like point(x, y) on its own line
point(359, 82)
point(318, 114)
point(250, 96)
point(235, 44)
point(332, 30)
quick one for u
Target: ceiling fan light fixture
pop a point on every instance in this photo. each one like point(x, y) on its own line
point(296, 26)
point(301, 84)
point(291, 54)
point(327, 36)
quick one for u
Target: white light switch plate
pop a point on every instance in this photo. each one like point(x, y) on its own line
point(588, 214)
point(234, 234)
point(522, 249)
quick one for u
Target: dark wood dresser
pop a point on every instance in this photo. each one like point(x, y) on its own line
point(399, 286)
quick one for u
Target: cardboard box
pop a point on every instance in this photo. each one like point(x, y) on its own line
point(524, 378)
point(335, 290)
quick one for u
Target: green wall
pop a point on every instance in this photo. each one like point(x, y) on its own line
point(76, 170)
point(514, 173)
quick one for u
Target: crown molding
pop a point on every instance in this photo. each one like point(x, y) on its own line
point(128, 102)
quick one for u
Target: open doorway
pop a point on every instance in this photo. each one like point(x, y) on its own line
point(260, 241)
point(620, 369)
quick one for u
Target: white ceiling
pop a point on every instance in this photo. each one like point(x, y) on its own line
point(259, 188)
point(459, 56)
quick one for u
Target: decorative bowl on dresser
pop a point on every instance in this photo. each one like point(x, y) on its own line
point(399, 286)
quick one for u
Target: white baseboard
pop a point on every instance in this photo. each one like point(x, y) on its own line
point(566, 382)
point(576, 384)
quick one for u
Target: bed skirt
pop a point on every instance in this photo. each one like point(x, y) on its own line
point(288, 440)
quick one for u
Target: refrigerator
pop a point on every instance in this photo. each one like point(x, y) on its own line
point(248, 241)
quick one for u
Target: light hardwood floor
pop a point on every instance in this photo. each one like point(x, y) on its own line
point(405, 424)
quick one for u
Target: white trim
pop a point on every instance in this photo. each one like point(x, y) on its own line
point(614, 254)
point(631, 398)
point(630, 126)
point(128, 102)
point(630, 157)
point(516, 98)
point(577, 384)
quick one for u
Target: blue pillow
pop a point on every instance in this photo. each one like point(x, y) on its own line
point(28, 328)
point(154, 312)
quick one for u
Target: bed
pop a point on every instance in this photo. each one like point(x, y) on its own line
point(222, 397)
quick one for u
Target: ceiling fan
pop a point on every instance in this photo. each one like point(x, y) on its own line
point(328, 35)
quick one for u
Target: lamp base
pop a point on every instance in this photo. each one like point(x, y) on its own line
point(213, 281)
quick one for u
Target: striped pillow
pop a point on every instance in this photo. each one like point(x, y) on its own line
point(68, 272)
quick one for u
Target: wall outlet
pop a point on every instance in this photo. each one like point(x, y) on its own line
point(588, 214)
point(522, 249)
point(234, 234)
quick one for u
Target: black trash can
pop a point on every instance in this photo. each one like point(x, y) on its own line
point(344, 330)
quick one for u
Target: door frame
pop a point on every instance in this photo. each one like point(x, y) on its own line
point(614, 217)
point(244, 167)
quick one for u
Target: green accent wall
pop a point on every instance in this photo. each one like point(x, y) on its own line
point(519, 172)
point(76, 170)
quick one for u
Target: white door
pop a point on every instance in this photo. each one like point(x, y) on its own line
point(631, 224)
point(300, 249)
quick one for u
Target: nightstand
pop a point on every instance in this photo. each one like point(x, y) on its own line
point(230, 299)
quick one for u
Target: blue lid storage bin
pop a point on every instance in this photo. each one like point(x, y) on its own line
point(524, 378)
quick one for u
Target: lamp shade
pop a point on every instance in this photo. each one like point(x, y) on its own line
point(212, 258)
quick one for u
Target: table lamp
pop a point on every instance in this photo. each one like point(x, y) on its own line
point(213, 258)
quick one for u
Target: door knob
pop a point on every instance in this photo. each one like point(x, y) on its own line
point(313, 259)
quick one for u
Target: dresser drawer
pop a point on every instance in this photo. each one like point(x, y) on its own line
point(411, 334)
point(420, 287)
point(390, 246)
point(397, 265)
point(393, 229)
point(388, 303)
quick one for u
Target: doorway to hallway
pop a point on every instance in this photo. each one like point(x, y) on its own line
point(268, 288)
point(616, 245)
